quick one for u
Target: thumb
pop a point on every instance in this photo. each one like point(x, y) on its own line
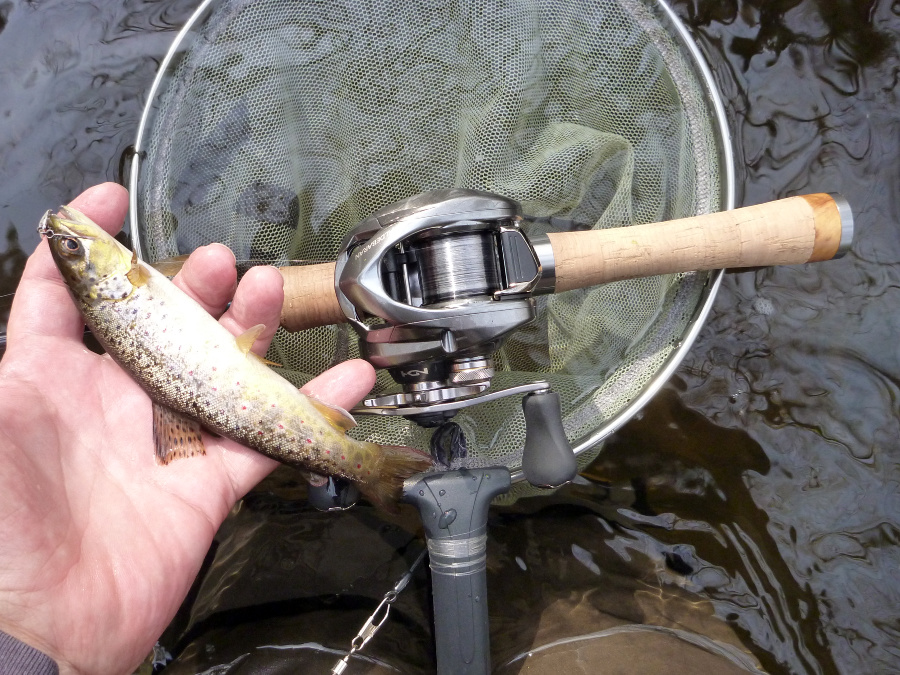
point(42, 306)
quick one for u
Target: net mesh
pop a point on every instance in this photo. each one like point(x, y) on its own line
point(281, 124)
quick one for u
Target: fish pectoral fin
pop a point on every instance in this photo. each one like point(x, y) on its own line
point(337, 417)
point(170, 266)
point(175, 435)
point(137, 275)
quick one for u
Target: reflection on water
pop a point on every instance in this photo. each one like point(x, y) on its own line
point(802, 360)
point(754, 503)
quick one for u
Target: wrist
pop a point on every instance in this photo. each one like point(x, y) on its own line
point(20, 658)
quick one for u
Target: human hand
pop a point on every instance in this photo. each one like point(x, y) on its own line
point(98, 543)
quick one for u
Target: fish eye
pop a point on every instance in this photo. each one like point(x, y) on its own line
point(70, 245)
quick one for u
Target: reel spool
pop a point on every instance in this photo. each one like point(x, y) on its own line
point(430, 268)
point(276, 127)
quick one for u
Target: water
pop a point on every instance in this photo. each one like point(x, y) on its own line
point(755, 501)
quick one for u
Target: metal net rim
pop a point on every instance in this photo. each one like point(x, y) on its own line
point(713, 104)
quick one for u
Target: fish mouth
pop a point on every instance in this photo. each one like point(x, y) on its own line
point(45, 227)
point(57, 225)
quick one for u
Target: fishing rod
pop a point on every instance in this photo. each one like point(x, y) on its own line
point(432, 284)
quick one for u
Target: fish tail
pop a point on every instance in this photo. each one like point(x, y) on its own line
point(384, 487)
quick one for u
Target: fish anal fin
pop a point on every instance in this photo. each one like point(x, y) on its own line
point(246, 339)
point(175, 435)
point(138, 274)
point(337, 417)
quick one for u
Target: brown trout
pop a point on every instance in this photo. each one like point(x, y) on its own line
point(199, 375)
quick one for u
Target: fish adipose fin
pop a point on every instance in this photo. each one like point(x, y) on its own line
point(396, 463)
point(337, 417)
point(175, 435)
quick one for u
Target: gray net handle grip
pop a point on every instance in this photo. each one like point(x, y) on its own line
point(454, 509)
point(547, 460)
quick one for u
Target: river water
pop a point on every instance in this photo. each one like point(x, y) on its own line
point(754, 503)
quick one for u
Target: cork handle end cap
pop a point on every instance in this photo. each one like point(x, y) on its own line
point(834, 226)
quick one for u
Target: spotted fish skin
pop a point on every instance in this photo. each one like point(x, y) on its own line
point(192, 367)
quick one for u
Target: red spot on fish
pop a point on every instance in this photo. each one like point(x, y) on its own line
point(190, 372)
point(309, 440)
point(237, 382)
point(214, 367)
point(328, 452)
point(215, 389)
point(259, 433)
point(280, 426)
point(243, 407)
point(342, 457)
point(273, 405)
point(359, 466)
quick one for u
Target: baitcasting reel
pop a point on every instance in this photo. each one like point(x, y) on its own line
point(432, 285)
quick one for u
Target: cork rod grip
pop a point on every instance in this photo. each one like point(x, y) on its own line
point(309, 297)
point(784, 232)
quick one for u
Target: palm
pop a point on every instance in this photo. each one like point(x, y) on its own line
point(99, 544)
point(100, 547)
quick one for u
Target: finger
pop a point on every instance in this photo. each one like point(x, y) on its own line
point(42, 305)
point(344, 385)
point(209, 276)
point(258, 300)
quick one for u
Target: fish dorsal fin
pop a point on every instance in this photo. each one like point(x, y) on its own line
point(137, 275)
point(246, 339)
point(175, 435)
point(337, 417)
point(170, 266)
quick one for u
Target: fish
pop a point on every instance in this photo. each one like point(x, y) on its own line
point(200, 376)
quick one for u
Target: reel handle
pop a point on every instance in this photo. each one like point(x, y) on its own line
point(788, 231)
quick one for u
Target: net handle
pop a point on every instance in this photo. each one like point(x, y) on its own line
point(790, 231)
